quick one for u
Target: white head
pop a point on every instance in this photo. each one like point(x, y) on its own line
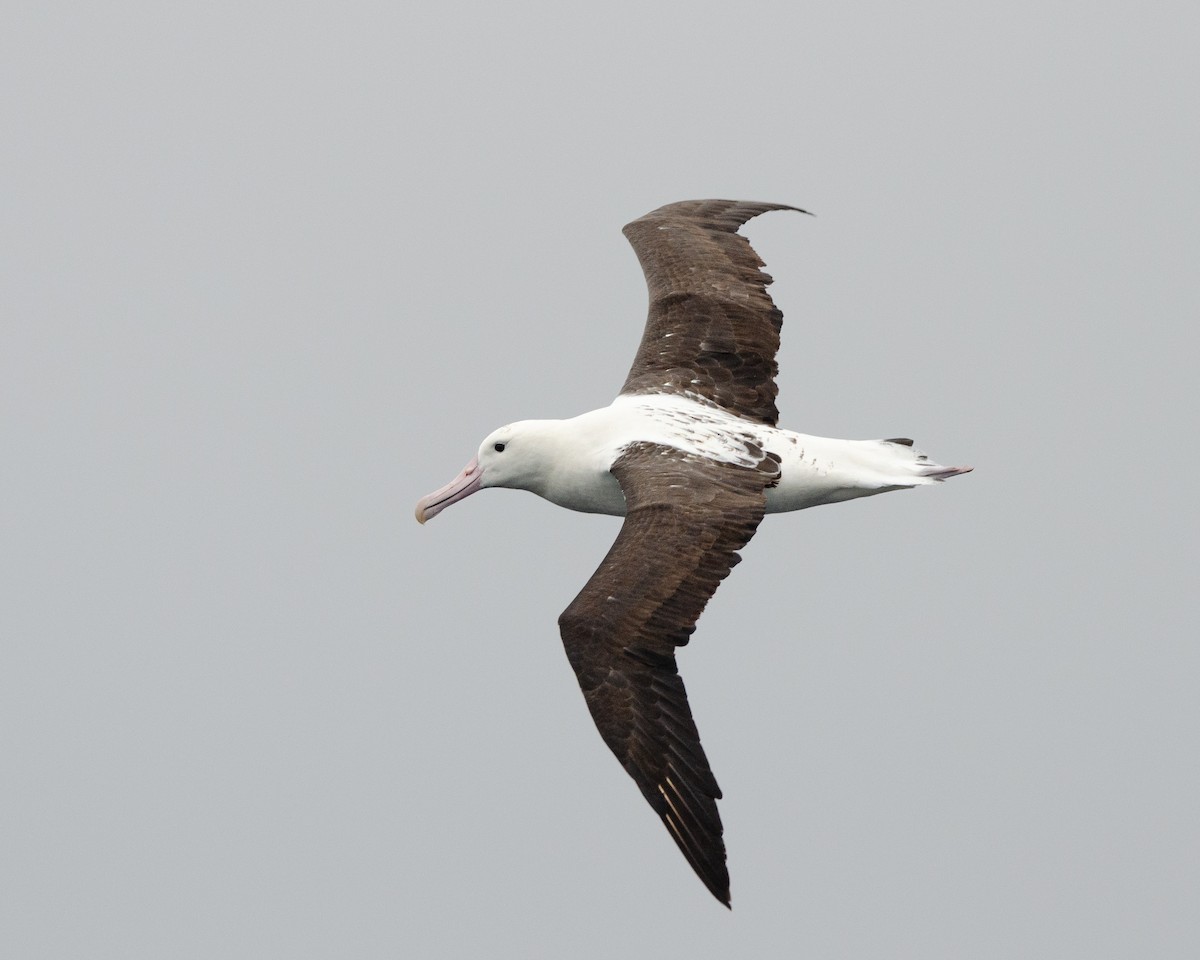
point(517, 455)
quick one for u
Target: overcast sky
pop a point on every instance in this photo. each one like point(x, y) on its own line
point(271, 272)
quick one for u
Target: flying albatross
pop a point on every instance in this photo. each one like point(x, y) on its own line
point(690, 455)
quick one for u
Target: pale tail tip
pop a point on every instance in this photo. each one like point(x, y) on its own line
point(945, 473)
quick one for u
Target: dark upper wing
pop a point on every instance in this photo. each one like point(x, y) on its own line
point(685, 519)
point(712, 329)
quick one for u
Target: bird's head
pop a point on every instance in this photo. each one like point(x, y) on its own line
point(513, 456)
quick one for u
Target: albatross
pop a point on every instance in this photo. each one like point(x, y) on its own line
point(690, 455)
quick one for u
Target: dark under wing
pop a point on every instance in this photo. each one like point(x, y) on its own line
point(686, 518)
point(712, 328)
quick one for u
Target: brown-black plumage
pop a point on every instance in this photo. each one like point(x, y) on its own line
point(686, 519)
point(712, 329)
point(693, 484)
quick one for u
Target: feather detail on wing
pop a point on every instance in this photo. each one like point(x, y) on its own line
point(686, 519)
point(712, 329)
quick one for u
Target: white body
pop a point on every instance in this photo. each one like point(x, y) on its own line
point(567, 461)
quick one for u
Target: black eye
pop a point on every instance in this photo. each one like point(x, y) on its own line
point(499, 447)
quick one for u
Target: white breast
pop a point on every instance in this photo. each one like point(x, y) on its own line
point(814, 470)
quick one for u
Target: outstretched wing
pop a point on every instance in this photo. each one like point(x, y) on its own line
point(686, 518)
point(712, 329)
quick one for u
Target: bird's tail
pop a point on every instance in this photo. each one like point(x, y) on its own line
point(916, 464)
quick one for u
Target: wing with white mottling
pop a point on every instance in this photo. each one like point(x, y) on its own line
point(712, 329)
point(687, 518)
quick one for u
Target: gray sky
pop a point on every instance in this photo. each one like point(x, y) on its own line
point(272, 271)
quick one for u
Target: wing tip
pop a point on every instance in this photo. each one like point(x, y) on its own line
point(702, 209)
point(718, 886)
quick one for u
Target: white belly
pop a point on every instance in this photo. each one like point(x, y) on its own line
point(814, 470)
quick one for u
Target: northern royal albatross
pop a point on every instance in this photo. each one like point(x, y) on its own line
point(689, 454)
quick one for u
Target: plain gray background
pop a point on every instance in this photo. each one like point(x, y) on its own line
point(271, 272)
